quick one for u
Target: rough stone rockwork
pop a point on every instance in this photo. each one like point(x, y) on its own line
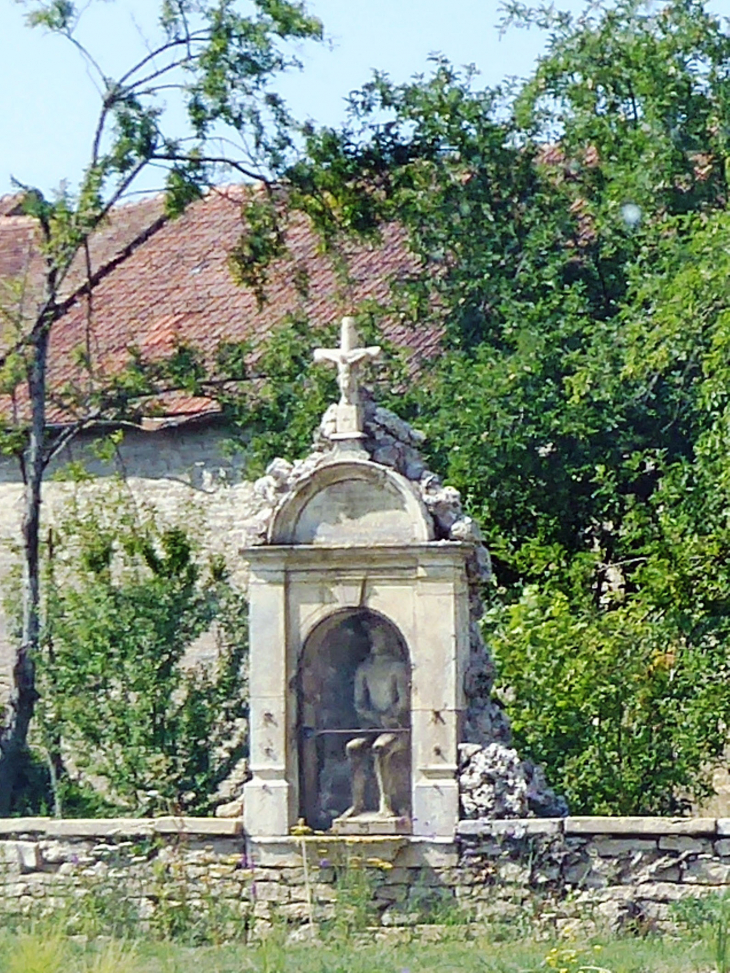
point(494, 781)
point(582, 874)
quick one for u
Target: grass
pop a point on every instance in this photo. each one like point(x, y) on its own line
point(46, 950)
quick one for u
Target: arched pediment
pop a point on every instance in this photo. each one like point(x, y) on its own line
point(352, 502)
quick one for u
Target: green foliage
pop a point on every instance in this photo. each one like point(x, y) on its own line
point(202, 85)
point(709, 914)
point(624, 706)
point(261, 242)
point(125, 600)
point(34, 793)
point(427, 951)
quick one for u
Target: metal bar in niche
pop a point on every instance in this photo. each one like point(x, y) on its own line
point(376, 731)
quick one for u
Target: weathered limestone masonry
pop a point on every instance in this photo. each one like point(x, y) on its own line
point(584, 872)
point(184, 472)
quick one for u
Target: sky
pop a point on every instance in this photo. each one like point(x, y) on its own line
point(49, 103)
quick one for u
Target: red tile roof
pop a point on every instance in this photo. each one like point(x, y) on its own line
point(165, 282)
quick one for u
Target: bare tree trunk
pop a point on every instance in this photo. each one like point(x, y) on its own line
point(23, 696)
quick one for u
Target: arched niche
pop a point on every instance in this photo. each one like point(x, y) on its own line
point(353, 502)
point(328, 720)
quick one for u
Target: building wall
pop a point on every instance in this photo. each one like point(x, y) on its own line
point(184, 472)
point(583, 873)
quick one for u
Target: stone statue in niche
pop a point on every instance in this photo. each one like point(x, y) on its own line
point(354, 726)
point(381, 703)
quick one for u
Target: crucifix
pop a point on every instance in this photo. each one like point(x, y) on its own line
point(348, 358)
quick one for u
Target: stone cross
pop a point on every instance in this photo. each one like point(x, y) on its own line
point(348, 358)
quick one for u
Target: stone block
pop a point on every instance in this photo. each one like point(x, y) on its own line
point(435, 737)
point(436, 933)
point(610, 868)
point(261, 910)
point(685, 844)
point(722, 847)
point(397, 875)
point(579, 874)
point(661, 871)
point(654, 910)
point(434, 687)
point(24, 855)
point(267, 800)
point(668, 891)
point(17, 890)
point(292, 876)
point(514, 873)
point(614, 847)
point(198, 826)
point(275, 853)
point(372, 824)
point(436, 802)
point(293, 911)
point(270, 892)
point(447, 877)
point(612, 910)
point(639, 825)
point(395, 916)
point(491, 911)
point(546, 873)
point(98, 827)
point(705, 871)
point(436, 852)
point(509, 828)
point(321, 892)
point(19, 826)
point(391, 893)
point(492, 848)
point(371, 850)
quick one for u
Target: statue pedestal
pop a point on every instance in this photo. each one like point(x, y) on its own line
point(371, 823)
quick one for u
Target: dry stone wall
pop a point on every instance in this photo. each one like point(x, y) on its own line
point(584, 873)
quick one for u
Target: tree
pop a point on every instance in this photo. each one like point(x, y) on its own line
point(219, 61)
point(125, 596)
point(570, 231)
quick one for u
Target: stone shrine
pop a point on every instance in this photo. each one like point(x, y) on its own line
point(369, 680)
point(359, 627)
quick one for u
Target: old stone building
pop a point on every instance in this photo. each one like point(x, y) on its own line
point(160, 283)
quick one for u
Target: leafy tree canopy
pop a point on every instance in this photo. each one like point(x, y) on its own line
point(573, 238)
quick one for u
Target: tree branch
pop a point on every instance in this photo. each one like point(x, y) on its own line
point(212, 160)
point(201, 36)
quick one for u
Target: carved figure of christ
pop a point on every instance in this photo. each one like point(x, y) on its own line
point(348, 357)
point(381, 701)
